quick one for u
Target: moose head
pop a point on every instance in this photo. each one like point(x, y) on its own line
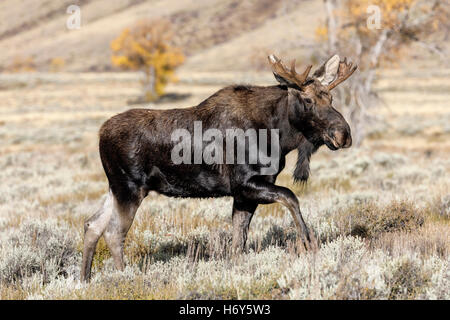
point(310, 101)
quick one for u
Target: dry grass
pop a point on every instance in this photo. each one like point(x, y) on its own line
point(380, 213)
point(370, 221)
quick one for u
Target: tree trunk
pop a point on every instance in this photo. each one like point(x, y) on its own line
point(332, 25)
point(150, 82)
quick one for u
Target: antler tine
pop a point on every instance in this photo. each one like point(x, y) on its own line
point(301, 78)
point(344, 72)
point(290, 75)
point(293, 72)
point(305, 73)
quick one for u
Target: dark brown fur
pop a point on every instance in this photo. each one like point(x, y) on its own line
point(135, 149)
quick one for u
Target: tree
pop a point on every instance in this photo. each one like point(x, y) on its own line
point(147, 47)
point(56, 64)
point(21, 64)
point(375, 33)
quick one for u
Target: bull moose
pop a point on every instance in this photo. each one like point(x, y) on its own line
point(136, 150)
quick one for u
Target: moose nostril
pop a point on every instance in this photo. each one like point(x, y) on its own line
point(348, 142)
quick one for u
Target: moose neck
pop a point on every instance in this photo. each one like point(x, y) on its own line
point(302, 137)
point(301, 122)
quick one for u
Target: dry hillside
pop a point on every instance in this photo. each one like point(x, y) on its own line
point(216, 35)
point(207, 30)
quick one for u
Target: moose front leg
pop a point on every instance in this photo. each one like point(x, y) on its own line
point(242, 215)
point(264, 192)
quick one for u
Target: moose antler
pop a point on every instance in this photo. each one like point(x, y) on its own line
point(290, 76)
point(345, 70)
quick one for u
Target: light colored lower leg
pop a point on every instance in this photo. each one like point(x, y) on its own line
point(115, 243)
point(93, 229)
point(117, 230)
point(294, 209)
point(241, 223)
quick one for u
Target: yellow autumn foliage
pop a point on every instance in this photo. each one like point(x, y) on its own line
point(321, 33)
point(405, 21)
point(57, 64)
point(390, 10)
point(147, 47)
point(21, 64)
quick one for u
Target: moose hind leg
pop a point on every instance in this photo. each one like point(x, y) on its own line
point(242, 214)
point(117, 229)
point(93, 229)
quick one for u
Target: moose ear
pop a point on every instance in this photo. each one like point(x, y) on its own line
point(327, 72)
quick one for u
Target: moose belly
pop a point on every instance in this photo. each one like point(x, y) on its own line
point(194, 181)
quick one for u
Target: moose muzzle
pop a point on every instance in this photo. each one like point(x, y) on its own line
point(338, 138)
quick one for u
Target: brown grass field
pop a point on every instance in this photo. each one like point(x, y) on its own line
point(381, 212)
